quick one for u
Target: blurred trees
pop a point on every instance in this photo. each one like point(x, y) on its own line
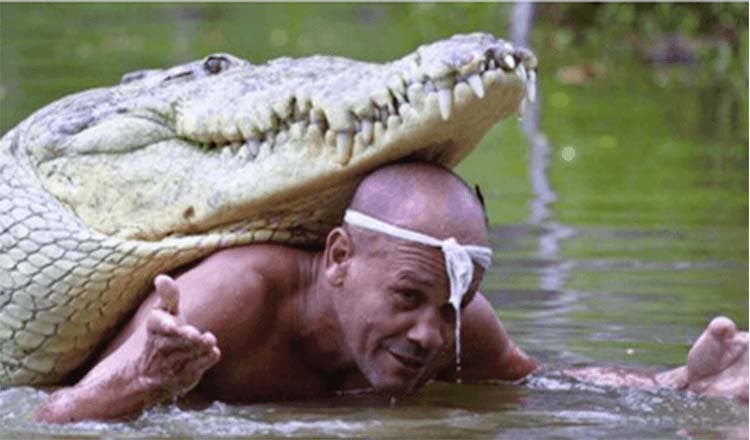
point(680, 46)
point(716, 20)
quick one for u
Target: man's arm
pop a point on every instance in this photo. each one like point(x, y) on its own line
point(158, 356)
point(717, 364)
point(487, 352)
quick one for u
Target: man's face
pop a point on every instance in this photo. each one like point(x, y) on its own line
point(395, 313)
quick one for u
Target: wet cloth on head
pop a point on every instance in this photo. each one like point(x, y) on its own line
point(459, 258)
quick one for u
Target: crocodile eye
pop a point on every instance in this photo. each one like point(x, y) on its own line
point(215, 64)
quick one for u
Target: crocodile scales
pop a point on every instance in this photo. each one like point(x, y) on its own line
point(103, 189)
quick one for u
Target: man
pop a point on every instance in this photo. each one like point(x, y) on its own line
point(375, 309)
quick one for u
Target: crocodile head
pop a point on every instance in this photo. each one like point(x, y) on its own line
point(202, 145)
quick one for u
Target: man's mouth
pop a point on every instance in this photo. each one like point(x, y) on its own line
point(408, 362)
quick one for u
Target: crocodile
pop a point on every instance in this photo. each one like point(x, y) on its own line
point(103, 189)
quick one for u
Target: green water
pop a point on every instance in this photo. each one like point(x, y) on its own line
point(647, 240)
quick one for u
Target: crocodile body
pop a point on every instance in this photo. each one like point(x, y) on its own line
point(104, 189)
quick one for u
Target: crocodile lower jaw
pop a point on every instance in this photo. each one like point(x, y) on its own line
point(349, 128)
point(420, 105)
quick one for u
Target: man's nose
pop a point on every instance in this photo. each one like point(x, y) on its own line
point(427, 332)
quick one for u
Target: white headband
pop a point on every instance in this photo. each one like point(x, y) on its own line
point(458, 257)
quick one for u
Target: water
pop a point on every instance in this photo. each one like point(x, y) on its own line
point(548, 407)
point(638, 239)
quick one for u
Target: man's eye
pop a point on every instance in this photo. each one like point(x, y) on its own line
point(408, 297)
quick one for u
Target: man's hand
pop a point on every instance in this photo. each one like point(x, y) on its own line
point(717, 364)
point(175, 354)
point(164, 358)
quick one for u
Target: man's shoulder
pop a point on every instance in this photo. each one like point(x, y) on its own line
point(245, 284)
point(256, 268)
point(255, 250)
point(487, 350)
point(260, 258)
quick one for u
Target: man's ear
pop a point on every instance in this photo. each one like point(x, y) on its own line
point(337, 254)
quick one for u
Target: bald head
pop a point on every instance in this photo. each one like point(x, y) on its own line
point(425, 198)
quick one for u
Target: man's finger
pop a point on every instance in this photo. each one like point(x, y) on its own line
point(160, 322)
point(169, 294)
point(722, 327)
point(205, 360)
point(208, 339)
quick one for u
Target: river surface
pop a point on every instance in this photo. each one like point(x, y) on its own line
point(637, 240)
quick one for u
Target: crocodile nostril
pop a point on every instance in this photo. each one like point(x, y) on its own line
point(188, 213)
point(178, 75)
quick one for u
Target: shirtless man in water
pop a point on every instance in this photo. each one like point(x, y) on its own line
point(374, 309)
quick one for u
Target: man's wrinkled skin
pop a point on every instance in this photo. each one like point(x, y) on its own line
point(269, 322)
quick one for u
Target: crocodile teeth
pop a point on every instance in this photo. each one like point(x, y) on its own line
point(429, 86)
point(242, 155)
point(343, 146)
point(531, 84)
point(476, 84)
point(270, 137)
point(392, 109)
point(522, 72)
point(509, 61)
point(281, 138)
point(225, 155)
point(247, 128)
point(366, 131)
point(318, 118)
point(399, 97)
point(445, 99)
point(245, 152)
point(253, 147)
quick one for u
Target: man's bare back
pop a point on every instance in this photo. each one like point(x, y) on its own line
point(265, 320)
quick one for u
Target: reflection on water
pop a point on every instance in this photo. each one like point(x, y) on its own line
point(653, 203)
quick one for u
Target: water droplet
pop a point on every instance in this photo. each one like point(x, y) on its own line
point(568, 153)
